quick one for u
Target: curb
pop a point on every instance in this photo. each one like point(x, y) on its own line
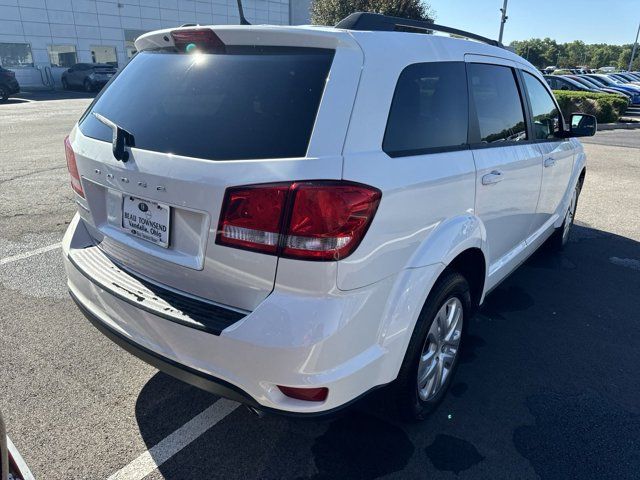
point(618, 126)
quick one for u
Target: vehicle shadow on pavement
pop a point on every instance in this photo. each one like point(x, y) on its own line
point(547, 387)
point(47, 95)
point(14, 101)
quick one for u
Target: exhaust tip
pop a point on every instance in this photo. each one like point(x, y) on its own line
point(255, 411)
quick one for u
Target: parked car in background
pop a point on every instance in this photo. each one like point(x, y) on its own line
point(625, 78)
point(289, 225)
point(89, 76)
point(587, 82)
point(606, 81)
point(8, 84)
point(610, 81)
point(563, 82)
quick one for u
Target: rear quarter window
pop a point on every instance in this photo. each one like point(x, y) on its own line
point(429, 111)
point(249, 103)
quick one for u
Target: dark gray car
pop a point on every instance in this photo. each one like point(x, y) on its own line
point(89, 76)
point(558, 82)
point(8, 84)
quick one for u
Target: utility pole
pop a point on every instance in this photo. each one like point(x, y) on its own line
point(635, 47)
point(503, 20)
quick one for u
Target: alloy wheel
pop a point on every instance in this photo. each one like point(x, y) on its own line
point(440, 349)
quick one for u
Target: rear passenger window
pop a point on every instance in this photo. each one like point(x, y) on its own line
point(545, 113)
point(497, 102)
point(429, 110)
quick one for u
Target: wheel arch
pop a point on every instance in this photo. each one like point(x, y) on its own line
point(582, 176)
point(457, 244)
point(577, 179)
point(472, 265)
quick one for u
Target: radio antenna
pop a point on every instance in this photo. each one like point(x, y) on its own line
point(243, 20)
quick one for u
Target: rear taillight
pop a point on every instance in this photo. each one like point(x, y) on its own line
point(196, 39)
point(328, 221)
point(251, 217)
point(320, 220)
point(72, 166)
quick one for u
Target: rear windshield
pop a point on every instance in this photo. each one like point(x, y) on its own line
point(248, 103)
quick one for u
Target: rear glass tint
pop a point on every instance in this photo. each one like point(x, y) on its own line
point(248, 103)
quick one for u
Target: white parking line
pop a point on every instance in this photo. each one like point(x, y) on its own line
point(169, 446)
point(22, 256)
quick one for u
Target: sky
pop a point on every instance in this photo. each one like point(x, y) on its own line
point(592, 21)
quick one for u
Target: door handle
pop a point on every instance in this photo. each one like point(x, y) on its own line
point(549, 162)
point(491, 178)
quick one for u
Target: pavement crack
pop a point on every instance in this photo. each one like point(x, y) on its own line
point(17, 177)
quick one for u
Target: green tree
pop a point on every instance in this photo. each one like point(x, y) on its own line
point(545, 52)
point(623, 58)
point(551, 52)
point(532, 50)
point(330, 12)
point(575, 53)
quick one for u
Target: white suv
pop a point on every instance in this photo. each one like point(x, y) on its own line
point(294, 216)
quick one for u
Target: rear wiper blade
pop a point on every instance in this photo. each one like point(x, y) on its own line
point(121, 138)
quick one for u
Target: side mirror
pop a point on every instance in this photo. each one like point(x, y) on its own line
point(583, 125)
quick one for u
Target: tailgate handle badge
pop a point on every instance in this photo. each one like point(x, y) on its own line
point(121, 138)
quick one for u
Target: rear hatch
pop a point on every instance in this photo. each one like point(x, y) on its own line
point(265, 104)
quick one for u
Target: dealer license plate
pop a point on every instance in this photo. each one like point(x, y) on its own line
point(147, 220)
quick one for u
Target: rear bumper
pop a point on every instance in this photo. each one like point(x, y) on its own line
point(182, 372)
point(247, 360)
point(12, 87)
point(98, 83)
point(197, 378)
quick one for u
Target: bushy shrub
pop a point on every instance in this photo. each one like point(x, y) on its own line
point(605, 106)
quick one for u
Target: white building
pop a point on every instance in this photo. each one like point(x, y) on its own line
point(39, 39)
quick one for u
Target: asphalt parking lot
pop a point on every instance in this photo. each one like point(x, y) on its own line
point(548, 386)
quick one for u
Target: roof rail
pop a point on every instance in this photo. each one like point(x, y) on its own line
point(384, 23)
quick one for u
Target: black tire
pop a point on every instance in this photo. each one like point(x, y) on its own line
point(4, 96)
point(404, 391)
point(88, 86)
point(560, 237)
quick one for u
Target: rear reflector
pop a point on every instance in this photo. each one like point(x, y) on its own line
point(318, 394)
point(196, 39)
point(72, 166)
point(319, 220)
